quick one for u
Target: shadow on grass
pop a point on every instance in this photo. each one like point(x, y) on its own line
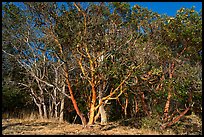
point(38, 124)
point(27, 124)
point(10, 125)
point(109, 127)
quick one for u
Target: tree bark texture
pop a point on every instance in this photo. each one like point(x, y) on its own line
point(144, 105)
point(92, 107)
point(61, 118)
point(167, 105)
point(83, 119)
point(101, 108)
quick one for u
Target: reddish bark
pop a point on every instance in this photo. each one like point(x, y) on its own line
point(83, 119)
point(176, 119)
point(136, 105)
point(166, 109)
point(144, 106)
point(167, 105)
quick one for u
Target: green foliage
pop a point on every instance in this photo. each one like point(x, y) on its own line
point(114, 38)
point(14, 98)
point(151, 122)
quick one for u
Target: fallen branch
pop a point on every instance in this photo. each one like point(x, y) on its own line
point(176, 119)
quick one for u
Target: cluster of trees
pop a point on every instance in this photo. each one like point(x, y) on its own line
point(101, 60)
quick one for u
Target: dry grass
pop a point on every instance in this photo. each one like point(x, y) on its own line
point(32, 125)
point(52, 127)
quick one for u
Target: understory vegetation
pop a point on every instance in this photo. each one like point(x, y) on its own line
point(89, 63)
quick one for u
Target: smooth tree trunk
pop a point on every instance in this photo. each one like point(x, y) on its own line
point(51, 107)
point(92, 108)
point(136, 105)
point(83, 119)
point(56, 113)
point(44, 110)
point(61, 115)
point(39, 105)
point(103, 115)
point(44, 106)
point(40, 110)
point(42, 100)
point(126, 104)
point(55, 103)
point(101, 108)
point(167, 105)
point(81, 115)
point(55, 95)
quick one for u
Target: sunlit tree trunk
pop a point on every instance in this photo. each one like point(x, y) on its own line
point(40, 110)
point(167, 105)
point(126, 104)
point(44, 110)
point(83, 119)
point(42, 99)
point(61, 115)
point(55, 103)
point(101, 108)
point(92, 107)
point(136, 105)
point(39, 105)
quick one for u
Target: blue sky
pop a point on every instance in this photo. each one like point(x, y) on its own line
point(169, 8)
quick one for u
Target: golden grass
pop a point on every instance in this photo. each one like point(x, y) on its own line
point(31, 124)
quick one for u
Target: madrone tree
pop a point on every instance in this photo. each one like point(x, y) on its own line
point(95, 53)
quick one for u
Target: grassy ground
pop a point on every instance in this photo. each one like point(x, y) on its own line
point(34, 126)
point(50, 127)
